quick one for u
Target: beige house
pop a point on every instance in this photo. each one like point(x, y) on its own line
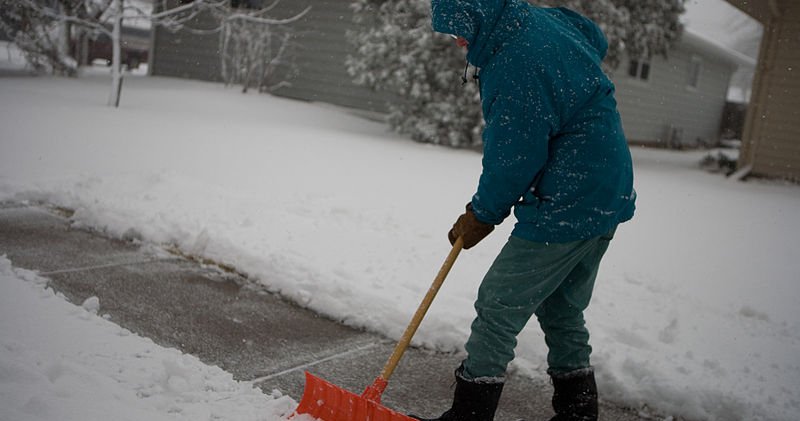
point(771, 144)
point(677, 101)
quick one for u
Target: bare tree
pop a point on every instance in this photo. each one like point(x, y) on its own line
point(44, 29)
point(174, 18)
point(252, 46)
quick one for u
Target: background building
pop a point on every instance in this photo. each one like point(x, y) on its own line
point(677, 101)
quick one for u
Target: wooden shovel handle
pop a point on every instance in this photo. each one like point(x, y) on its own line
point(405, 340)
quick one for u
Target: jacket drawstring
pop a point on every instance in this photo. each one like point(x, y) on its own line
point(464, 77)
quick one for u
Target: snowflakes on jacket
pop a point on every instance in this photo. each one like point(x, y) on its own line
point(554, 148)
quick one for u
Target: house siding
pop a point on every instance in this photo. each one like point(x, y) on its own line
point(321, 72)
point(650, 108)
point(320, 51)
point(186, 54)
point(772, 132)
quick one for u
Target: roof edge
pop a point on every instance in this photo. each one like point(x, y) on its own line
point(708, 45)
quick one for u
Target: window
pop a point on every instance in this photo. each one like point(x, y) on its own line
point(639, 69)
point(695, 70)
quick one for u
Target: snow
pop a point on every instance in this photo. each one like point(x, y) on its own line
point(59, 361)
point(713, 18)
point(695, 310)
point(719, 21)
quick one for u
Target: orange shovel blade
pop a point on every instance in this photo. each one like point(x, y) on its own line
point(327, 402)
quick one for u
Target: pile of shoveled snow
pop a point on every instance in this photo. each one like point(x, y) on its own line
point(59, 361)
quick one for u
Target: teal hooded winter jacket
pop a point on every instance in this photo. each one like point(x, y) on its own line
point(553, 145)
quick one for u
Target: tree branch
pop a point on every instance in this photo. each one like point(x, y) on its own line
point(71, 19)
point(250, 18)
point(198, 4)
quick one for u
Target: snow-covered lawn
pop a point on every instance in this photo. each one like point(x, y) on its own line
point(695, 311)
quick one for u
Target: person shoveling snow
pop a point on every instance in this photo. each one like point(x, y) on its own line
point(554, 152)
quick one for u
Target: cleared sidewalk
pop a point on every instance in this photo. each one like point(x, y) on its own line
point(231, 322)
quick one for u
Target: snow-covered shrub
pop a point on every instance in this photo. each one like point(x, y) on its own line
point(397, 52)
point(723, 161)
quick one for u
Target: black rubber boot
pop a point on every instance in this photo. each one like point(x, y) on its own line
point(472, 400)
point(575, 396)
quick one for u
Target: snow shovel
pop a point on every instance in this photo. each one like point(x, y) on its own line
point(328, 402)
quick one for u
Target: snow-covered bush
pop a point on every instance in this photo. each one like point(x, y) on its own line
point(397, 53)
point(651, 28)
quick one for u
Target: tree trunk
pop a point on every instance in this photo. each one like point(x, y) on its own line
point(64, 38)
point(116, 55)
point(83, 48)
point(63, 47)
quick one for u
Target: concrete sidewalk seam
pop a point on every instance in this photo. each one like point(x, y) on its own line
point(97, 267)
point(313, 363)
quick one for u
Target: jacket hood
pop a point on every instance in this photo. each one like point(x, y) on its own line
point(474, 20)
point(465, 18)
point(487, 23)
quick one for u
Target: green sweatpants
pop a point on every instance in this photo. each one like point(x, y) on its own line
point(553, 281)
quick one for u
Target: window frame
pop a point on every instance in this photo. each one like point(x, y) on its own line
point(695, 73)
point(640, 70)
